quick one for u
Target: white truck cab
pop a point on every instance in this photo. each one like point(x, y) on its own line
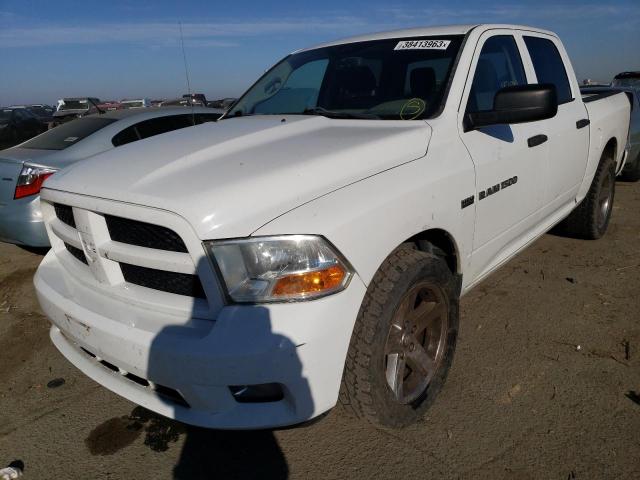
point(313, 244)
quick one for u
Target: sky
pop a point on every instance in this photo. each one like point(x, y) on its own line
point(126, 49)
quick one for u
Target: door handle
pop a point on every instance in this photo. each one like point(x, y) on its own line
point(582, 123)
point(536, 140)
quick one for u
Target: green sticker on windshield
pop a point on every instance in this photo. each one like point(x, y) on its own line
point(412, 109)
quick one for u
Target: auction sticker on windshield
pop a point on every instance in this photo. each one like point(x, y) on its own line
point(422, 45)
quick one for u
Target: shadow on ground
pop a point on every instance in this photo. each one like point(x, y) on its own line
point(205, 454)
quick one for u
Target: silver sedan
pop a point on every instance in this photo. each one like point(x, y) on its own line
point(25, 167)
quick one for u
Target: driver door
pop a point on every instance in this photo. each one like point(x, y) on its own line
point(509, 169)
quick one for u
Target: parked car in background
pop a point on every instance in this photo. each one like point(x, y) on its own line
point(631, 170)
point(43, 112)
point(141, 103)
point(313, 245)
point(75, 107)
point(195, 99)
point(109, 105)
point(18, 124)
point(223, 103)
point(627, 79)
point(23, 168)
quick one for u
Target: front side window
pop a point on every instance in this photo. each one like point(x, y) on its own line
point(499, 66)
point(549, 66)
point(397, 79)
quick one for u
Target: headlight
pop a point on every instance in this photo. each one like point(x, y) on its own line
point(284, 268)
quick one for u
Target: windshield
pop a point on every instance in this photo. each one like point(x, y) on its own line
point(399, 79)
point(5, 116)
point(67, 134)
point(75, 105)
point(40, 111)
point(627, 82)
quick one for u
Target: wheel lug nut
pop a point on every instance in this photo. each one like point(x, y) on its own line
point(412, 347)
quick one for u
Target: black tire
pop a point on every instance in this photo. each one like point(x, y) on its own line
point(365, 389)
point(632, 175)
point(588, 220)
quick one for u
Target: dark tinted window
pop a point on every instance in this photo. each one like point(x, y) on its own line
point(549, 66)
point(156, 126)
point(5, 115)
point(499, 66)
point(19, 115)
point(68, 134)
point(40, 111)
point(127, 135)
point(206, 117)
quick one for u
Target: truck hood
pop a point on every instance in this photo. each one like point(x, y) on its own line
point(227, 179)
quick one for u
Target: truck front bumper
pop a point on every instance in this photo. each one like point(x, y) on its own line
point(186, 373)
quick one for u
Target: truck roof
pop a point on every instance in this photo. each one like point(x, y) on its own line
point(426, 31)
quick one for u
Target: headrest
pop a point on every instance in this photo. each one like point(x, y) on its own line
point(422, 82)
point(357, 80)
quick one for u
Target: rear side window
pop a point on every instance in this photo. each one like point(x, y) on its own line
point(206, 117)
point(67, 134)
point(549, 66)
point(159, 125)
point(127, 135)
point(499, 66)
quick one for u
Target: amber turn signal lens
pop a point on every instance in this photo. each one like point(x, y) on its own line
point(310, 282)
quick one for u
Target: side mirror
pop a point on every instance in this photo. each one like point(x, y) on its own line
point(518, 104)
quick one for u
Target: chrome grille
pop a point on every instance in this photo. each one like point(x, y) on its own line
point(144, 254)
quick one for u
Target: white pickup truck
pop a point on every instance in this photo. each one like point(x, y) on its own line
point(313, 245)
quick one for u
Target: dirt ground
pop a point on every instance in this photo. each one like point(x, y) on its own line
point(545, 384)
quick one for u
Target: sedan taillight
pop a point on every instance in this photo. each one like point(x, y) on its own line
point(31, 179)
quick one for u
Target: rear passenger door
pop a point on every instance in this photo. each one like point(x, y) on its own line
point(509, 172)
point(568, 131)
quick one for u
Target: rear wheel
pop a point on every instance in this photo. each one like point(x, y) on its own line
point(591, 218)
point(633, 175)
point(403, 341)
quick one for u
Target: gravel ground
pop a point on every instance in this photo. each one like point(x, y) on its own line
point(545, 384)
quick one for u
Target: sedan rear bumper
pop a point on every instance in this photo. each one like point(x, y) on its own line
point(21, 223)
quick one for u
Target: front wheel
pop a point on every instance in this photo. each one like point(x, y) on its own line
point(403, 341)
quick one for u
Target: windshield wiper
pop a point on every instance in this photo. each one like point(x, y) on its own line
point(331, 114)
